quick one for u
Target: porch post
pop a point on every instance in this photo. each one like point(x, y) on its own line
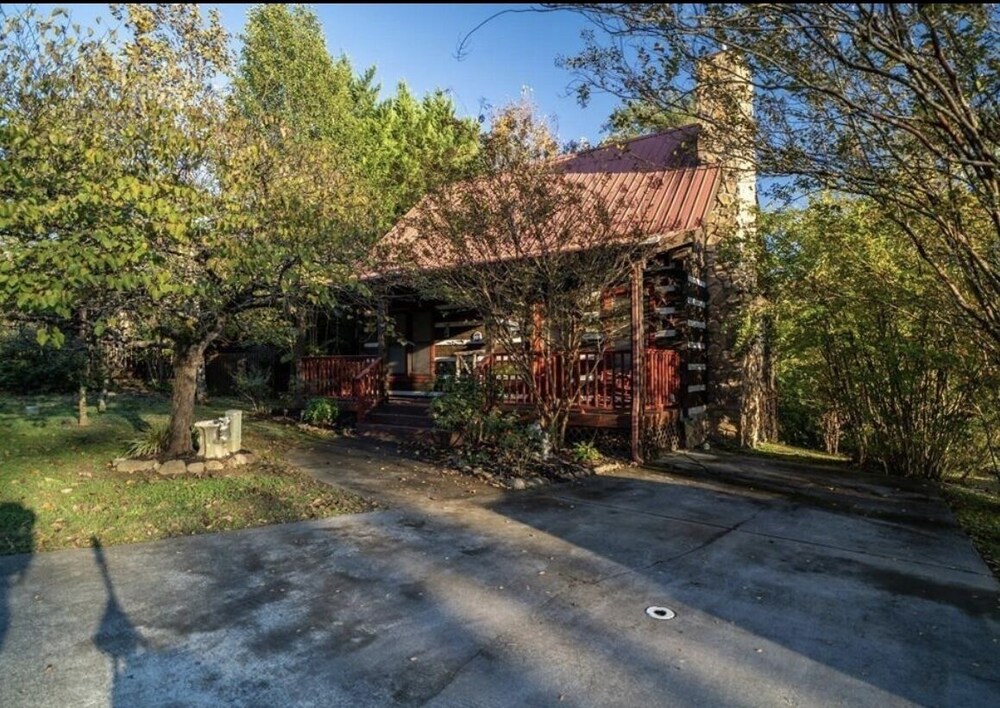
point(638, 358)
point(381, 315)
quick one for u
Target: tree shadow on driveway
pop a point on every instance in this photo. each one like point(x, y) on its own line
point(18, 524)
point(815, 597)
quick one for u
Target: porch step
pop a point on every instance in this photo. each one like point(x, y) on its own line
point(388, 416)
point(400, 418)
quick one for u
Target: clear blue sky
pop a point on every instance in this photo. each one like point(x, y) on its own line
point(418, 43)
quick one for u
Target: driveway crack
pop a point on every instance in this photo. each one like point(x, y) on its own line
point(714, 538)
point(458, 670)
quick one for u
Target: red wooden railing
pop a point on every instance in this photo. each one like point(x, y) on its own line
point(662, 378)
point(333, 376)
point(369, 387)
point(605, 380)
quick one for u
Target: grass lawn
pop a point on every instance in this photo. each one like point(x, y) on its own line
point(791, 453)
point(975, 501)
point(58, 490)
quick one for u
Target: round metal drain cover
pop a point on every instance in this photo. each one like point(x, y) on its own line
point(660, 613)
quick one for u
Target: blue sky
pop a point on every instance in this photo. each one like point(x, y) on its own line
point(418, 43)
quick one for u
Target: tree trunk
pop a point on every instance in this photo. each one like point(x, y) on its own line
point(186, 362)
point(831, 431)
point(299, 348)
point(81, 405)
point(769, 428)
point(557, 439)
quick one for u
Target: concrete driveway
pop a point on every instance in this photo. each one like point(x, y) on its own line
point(791, 586)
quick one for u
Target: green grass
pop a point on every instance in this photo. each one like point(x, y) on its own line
point(797, 454)
point(975, 501)
point(58, 489)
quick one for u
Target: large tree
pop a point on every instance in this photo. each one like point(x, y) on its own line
point(399, 146)
point(420, 145)
point(896, 103)
point(286, 72)
point(391, 150)
point(533, 251)
point(127, 171)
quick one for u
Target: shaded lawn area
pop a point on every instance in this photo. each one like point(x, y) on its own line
point(974, 499)
point(975, 502)
point(60, 473)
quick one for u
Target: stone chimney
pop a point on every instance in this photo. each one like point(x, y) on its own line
point(737, 399)
point(724, 107)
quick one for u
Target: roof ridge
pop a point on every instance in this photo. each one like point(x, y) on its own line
point(620, 144)
point(647, 136)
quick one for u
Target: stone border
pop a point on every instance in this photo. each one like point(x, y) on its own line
point(170, 468)
point(505, 481)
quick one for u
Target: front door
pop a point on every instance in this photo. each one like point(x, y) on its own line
point(396, 350)
point(410, 351)
point(422, 350)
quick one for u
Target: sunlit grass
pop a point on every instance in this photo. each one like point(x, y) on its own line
point(802, 454)
point(57, 488)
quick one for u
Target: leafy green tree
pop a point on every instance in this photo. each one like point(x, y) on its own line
point(189, 212)
point(531, 250)
point(421, 145)
point(866, 346)
point(399, 147)
point(287, 75)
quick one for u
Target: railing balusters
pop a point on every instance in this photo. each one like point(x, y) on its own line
point(351, 377)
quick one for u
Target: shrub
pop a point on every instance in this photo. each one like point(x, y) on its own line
point(150, 442)
point(465, 408)
point(26, 367)
point(585, 452)
point(253, 384)
point(320, 411)
point(499, 438)
point(516, 446)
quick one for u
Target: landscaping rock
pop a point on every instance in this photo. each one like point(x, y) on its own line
point(241, 458)
point(173, 467)
point(518, 483)
point(214, 466)
point(132, 466)
point(196, 467)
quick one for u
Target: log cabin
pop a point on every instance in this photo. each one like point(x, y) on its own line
point(673, 381)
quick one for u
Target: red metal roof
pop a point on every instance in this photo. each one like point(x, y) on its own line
point(657, 203)
point(669, 149)
point(651, 185)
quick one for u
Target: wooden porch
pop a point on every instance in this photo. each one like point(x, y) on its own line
point(604, 396)
point(647, 369)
